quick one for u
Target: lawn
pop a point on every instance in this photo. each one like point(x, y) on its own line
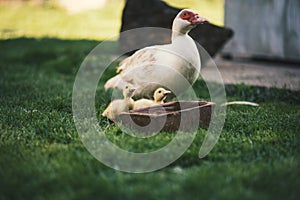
point(257, 156)
point(42, 156)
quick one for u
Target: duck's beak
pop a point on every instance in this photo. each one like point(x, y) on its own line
point(199, 20)
point(132, 90)
point(167, 92)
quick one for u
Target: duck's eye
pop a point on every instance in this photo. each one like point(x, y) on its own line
point(185, 14)
point(159, 91)
point(126, 87)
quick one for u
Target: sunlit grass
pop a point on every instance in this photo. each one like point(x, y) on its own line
point(40, 21)
point(52, 21)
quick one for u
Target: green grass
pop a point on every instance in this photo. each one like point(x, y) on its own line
point(42, 157)
point(49, 20)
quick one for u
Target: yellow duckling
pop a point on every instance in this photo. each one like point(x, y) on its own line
point(120, 105)
point(159, 96)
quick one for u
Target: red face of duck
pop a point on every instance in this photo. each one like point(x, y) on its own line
point(192, 17)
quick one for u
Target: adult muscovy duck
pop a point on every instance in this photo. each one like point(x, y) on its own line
point(170, 66)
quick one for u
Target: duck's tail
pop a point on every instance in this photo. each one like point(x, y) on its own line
point(105, 112)
point(114, 82)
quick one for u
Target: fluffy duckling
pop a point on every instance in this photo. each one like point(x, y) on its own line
point(120, 105)
point(159, 96)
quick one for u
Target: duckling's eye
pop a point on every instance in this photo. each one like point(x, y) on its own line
point(159, 91)
point(126, 87)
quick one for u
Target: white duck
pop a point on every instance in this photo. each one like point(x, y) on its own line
point(175, 66)
point(159, 96)
point(120, 105)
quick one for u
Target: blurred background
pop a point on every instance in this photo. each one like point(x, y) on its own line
point(88, 19)
point(263, 29)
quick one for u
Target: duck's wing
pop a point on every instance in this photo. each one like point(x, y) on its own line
point(142, 57)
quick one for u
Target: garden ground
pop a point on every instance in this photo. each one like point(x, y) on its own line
point(42, 156)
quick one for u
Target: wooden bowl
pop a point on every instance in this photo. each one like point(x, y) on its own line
point(169, 117)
